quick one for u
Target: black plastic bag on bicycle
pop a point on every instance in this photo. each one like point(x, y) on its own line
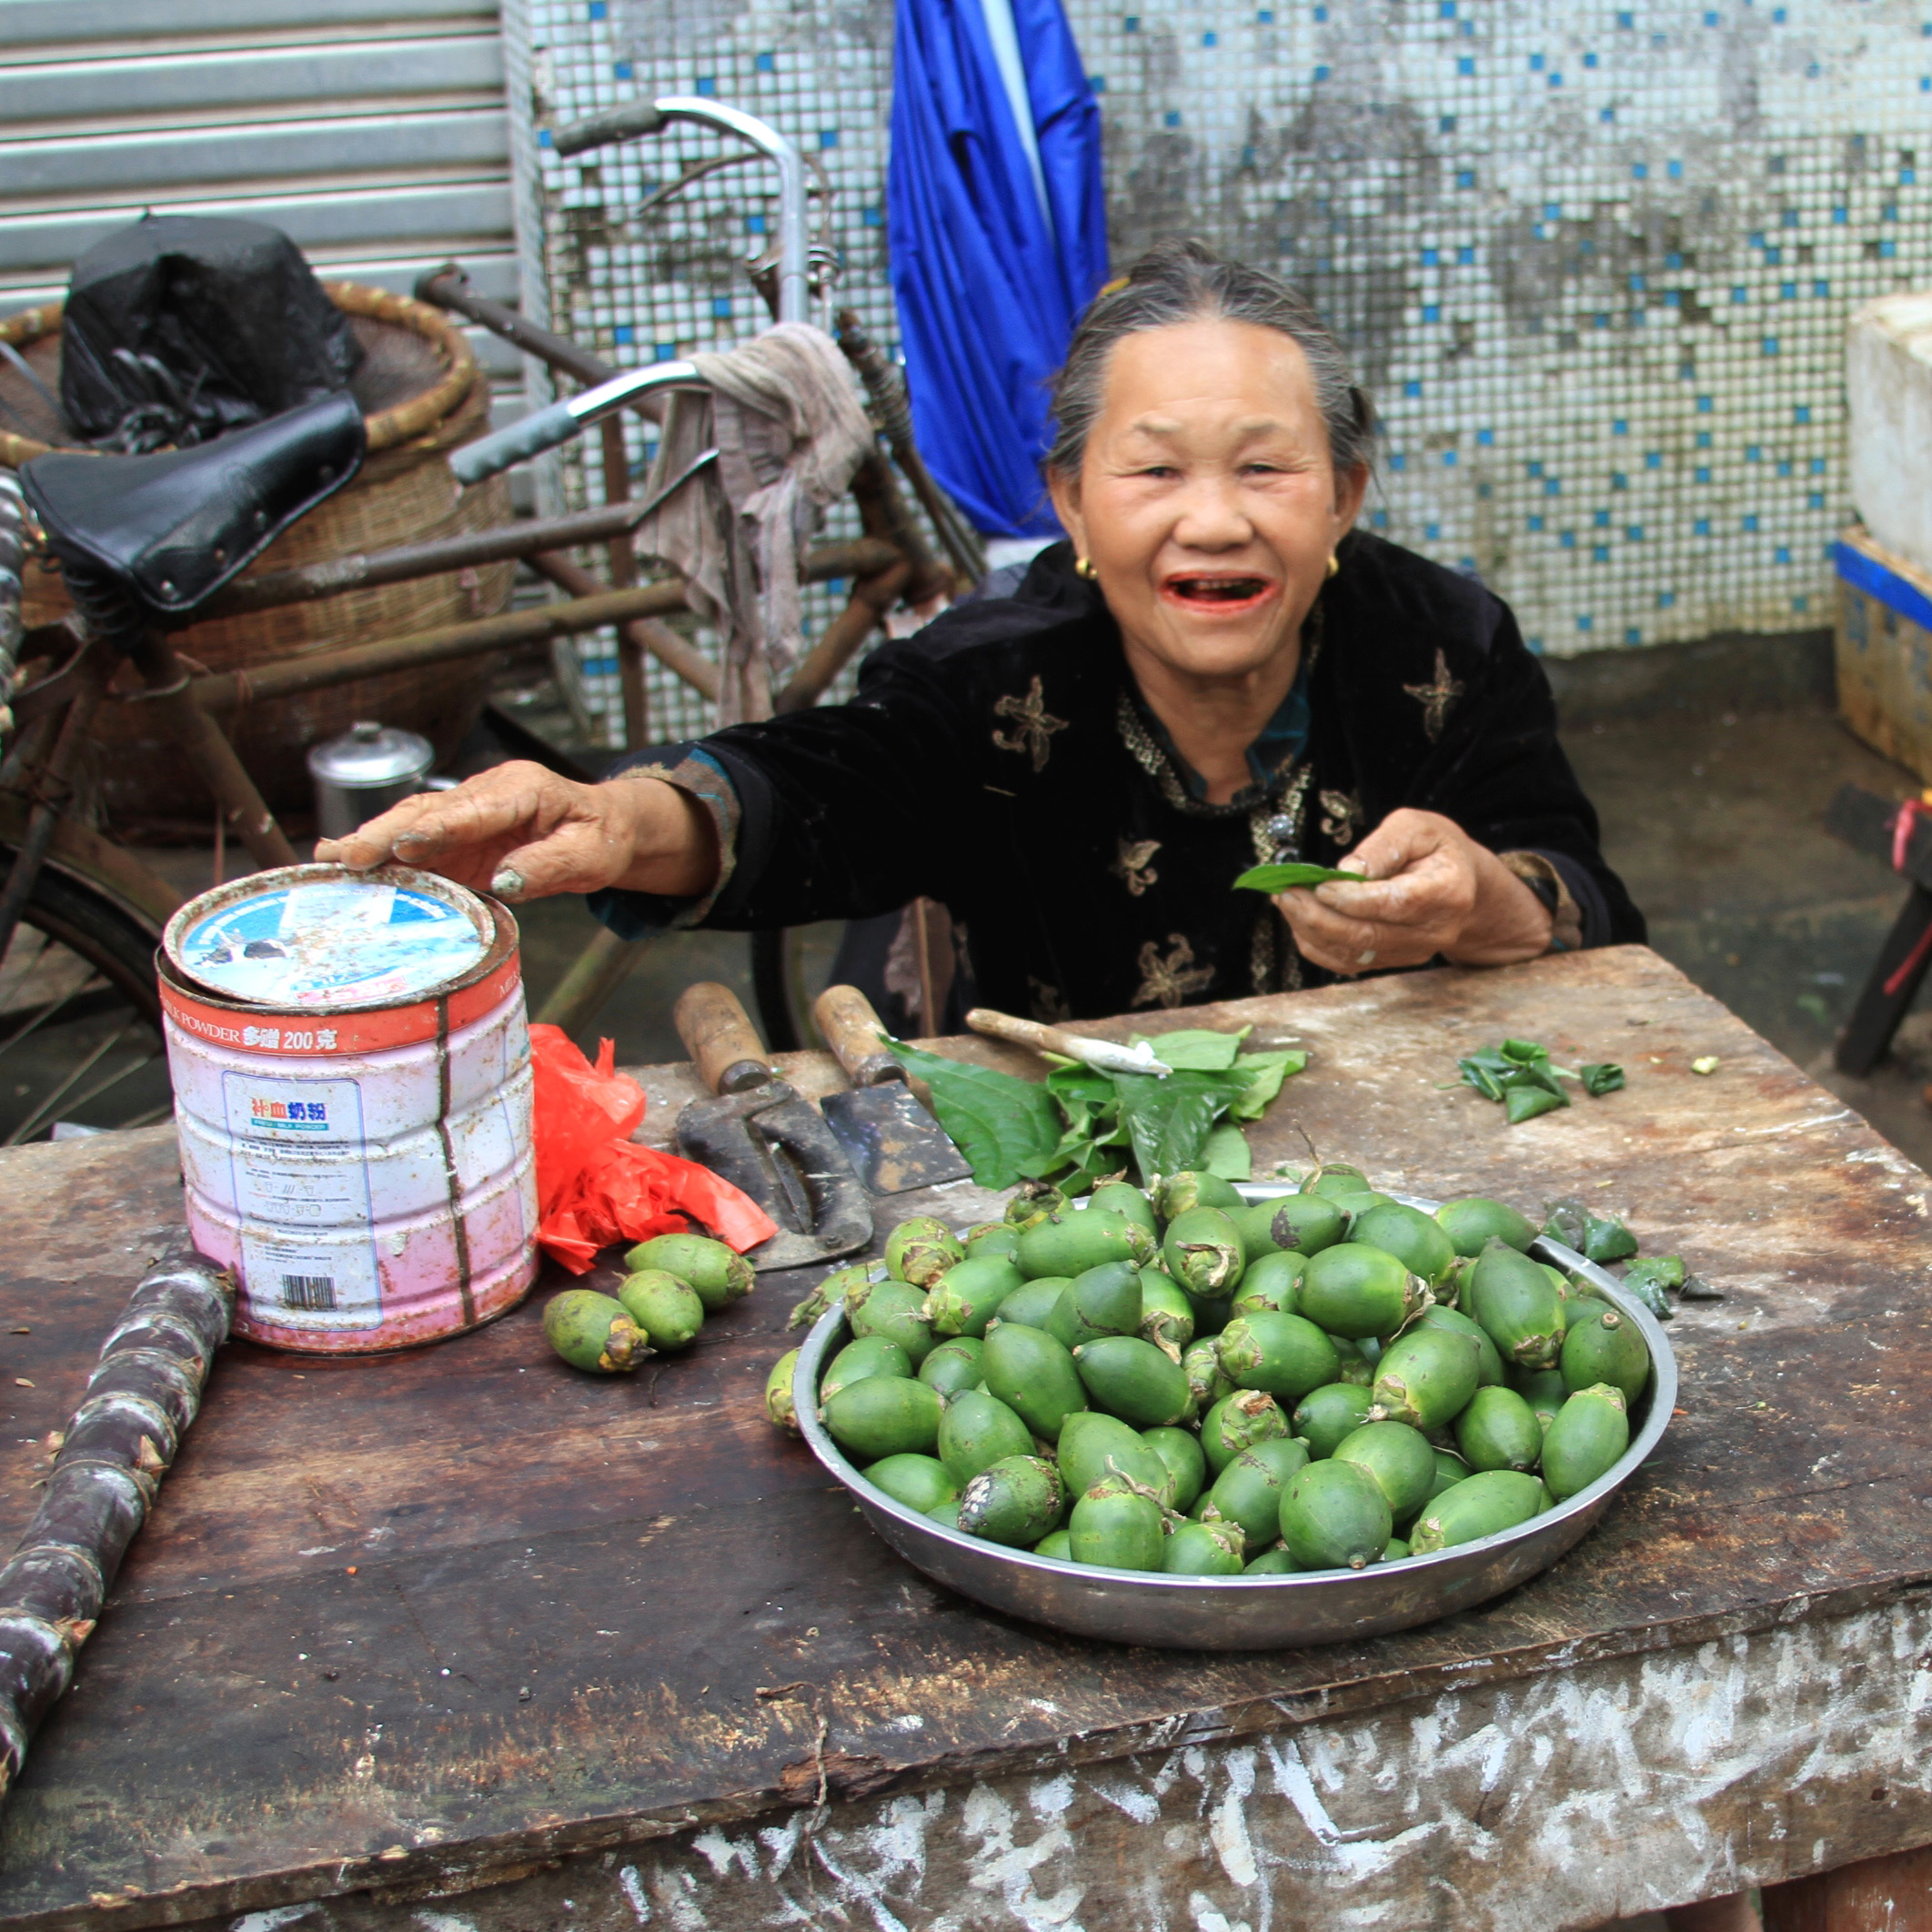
point(184, 326)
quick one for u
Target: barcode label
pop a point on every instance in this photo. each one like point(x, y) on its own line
point(308, 1291)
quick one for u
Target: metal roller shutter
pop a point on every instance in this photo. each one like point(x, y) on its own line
point(374, 132)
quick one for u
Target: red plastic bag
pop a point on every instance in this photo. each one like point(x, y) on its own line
point(595, 1185)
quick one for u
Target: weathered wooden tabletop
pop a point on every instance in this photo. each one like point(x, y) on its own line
point(464, 1618)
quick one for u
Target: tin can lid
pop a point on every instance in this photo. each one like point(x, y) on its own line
point(370, 754)
point(334, 939)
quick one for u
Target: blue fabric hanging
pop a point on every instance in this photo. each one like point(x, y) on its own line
point(997, 242)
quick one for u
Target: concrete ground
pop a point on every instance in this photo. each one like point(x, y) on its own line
point(1715, 822)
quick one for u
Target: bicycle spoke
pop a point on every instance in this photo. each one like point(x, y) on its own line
point(26, 969)
point(47, 1013)
point(60, 1093)
point(153, 1117)
point(114, 1080)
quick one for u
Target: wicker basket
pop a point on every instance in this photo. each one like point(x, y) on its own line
point(422, 394)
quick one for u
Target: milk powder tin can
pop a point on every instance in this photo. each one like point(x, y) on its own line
point(351, 1067)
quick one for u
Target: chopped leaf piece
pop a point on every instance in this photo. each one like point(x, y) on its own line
point(1600, 1077)
point(1607, 1239)
point(1227, 1154)
point(1285, 878)
point(1704, 1064)
point(1526, 1102)
point(1524, 1052)
point(1005, 1127)
point(1567, 1221)
point(1666, 1269)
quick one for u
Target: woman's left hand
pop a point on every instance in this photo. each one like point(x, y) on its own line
point(1428, 889)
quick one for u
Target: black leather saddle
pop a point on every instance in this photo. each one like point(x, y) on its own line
point(171, 529)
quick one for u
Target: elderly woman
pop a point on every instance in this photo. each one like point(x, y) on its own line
point(1217, 669)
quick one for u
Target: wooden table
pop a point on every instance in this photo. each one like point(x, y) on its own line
point(464, 1619)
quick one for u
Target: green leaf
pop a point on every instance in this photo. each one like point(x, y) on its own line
point(1525, 1102)
point(1600, 1077)
point(1196, 1048)
point(1003, 1126)
point(1285, 878)
point(1666, 1269)
point(1228, 1154)
point(1524, 1052)
point(1167, 1119)
point(1607, 1239)
point(1266, 1072)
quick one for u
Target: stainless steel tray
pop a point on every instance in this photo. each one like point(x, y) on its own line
point(1248, 1613)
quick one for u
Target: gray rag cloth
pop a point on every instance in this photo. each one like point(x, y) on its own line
point(789, 434)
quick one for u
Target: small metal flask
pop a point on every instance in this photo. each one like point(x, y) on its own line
point(362, 773)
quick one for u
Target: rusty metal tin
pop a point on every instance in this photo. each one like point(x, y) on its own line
point(358, 1151)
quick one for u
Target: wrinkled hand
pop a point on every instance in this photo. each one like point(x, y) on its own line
point(523, 833)
point(1428, 889)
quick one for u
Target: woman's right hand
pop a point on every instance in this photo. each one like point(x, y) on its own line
point(522, 833)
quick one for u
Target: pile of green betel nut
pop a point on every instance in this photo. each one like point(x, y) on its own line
point(674, 1282)
point(1187, 1384)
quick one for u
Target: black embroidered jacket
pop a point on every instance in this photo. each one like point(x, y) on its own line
point(1000, 761)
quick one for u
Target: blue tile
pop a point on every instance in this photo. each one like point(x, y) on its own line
point(1536, 523)
point(707, 85)
point(1801, 413)
point(1618, 480)
point(1398, 460)
point(1704, 439)
point(620, 69)
point(1486, 436)
point(1465, 256)
point(766, 63)
point(1783, 554)
point(1172, 118)
point(1430, 531)
point(1633, 636)
point(1321, 74)
point(1817, 466)
point(1704, 406)
point(1702, 527)
point(1552, 486)
point(1465, 177)
point(1465, 64)
point(1749, 526)
point(1211, 39)
point(1589, 60)
point(722, 307)
point(1446, 124)
point(1770, 344)
point(1665, 598)
point(1585, 622)
point(1098, 82)
point(1535, 61)
point(1639, 171)
point(1653, 460)
point(1702, 474)
point(626, 334)
point(598, 10)
point(1633, 533)
point(1600, 553)
point(1412, 388)
point(1448, 459)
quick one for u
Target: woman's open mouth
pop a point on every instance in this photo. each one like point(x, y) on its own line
point(1218, 593)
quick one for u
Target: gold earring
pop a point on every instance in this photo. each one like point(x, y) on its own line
point(1083, 567)
point(1334, 564)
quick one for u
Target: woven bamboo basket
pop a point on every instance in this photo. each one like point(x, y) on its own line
point(421, 394)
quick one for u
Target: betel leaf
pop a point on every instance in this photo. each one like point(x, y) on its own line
point(1195, 1048)
point(1526, 1102)
point(1227, 1154)
point(1168, 1119)
point(1002, 1125)
point(1265, 1073)
point(1600, 1077)
point(1285, 878)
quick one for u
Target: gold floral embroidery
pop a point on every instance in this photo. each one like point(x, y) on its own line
point(1169, 981)
point(1342, 816)
point(1134, 865)
point(1437, 697)
point(1036, 724)
point(1049, 1004)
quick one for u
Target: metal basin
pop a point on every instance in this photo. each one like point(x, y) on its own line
point(1248, 1613)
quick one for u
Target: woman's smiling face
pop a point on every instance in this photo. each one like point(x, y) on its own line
point(1206, 498)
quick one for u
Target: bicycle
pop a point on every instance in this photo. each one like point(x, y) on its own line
point(83, 986)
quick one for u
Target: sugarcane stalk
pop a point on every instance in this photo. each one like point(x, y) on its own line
point(113, 1452)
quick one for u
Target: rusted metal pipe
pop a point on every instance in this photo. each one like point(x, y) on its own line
point(872, 596)
point(367, 569)
point(448, 288)
point(623, 561)
point(173, 695)
point(642, 633)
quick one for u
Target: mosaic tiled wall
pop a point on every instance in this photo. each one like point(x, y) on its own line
point(1596, 261)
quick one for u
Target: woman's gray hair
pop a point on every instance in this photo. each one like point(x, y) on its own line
point(1186, 281)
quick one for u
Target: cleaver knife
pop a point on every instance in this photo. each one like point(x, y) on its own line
point(892, 1141)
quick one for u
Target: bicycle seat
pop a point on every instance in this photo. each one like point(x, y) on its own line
point(171, 528)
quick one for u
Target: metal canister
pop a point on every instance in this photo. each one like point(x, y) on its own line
point(363, 772)
point(351, 1067)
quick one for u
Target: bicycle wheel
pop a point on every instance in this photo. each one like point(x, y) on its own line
point(80, 1015)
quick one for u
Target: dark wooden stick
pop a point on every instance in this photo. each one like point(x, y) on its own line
point(116, 1447)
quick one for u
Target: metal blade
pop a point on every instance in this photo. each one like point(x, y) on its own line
point(893, 1141)
point(773, 1146)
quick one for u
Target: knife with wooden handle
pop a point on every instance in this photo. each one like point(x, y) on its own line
point(893, 1141)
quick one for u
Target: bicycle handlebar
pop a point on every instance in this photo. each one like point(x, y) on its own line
point(649, 117)
point(546, 428)
point(615, 124)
